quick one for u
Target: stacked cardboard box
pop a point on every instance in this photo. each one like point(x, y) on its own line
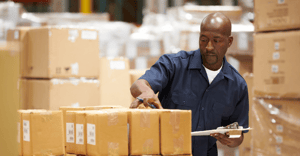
point(40, 132)
point(49, 57)
point(128, 132)
point(275, 77)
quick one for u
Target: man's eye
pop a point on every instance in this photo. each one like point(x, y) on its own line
point(203, 40)
point(217, 41)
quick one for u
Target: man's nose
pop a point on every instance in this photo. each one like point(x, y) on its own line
point(209, 46)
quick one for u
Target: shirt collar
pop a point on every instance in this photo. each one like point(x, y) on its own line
point(196, 63)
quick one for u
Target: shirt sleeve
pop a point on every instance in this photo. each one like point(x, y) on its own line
point(160, 73)
point(241, 112)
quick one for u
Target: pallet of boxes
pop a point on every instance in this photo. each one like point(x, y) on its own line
point(59, 66)
point(275, 118)
point(106, 131)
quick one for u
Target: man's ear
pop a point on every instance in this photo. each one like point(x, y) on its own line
point(230, 39)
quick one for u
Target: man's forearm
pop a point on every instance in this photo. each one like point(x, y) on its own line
point(140, 86)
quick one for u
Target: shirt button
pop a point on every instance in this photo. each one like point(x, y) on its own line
point(202, 108)
point(206, 90)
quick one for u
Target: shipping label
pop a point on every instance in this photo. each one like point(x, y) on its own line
point(91, 134)
point(26, 130)
point(70, 133)
point(79, 134)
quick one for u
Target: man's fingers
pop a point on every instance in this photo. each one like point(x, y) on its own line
point(135, 104)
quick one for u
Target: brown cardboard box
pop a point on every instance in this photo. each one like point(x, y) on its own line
point(175, 132)
point(20, 134)
point(42, 133)
point(275, 64)
point(70, 131)
point(143, 132)
point(143, 62)
point(57, 52)
point(17, 42)
point(103, 107)
point(135, 75)
point(115, 82)
point(242, 40)
point(80, 132)
point(64, 110)
point(51, 94)
point(273, 15)
point(107, 132)
point(244, 148)
point(275, 127)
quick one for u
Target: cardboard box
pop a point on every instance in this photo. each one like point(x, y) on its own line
point(103, 107)
point(80, 133)
point(107, 132)
point(275, 64)
point(70, 131)
point(64, 110)
point(175, 132)
point(20, 133)
point(17, 43)
point(143, 132)
point(273, 15)
point(57, 52)
point(115, 82)
point(142, 44)
point(135, 75)
point(276, 126)
point(246, 145)
point(51, 94)
point(143, 62)
point(42, 133)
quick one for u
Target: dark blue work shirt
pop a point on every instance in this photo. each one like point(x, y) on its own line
point(182, 83)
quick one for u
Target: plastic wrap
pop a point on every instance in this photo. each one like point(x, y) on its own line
point(276, 124)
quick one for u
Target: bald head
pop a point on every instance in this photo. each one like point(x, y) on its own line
point(217, 22)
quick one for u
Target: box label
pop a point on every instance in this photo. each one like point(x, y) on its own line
point(70, 132)
point(16, 34)
point(118, 65)
point(279, 139)
point(26, 130)
point(73, 34)
point(276, 55)
point(275, 69)
point(89, 35)
point(279, 128)
point(79, 134)
point(276, 45)
point(281, 1)
point(75, 68)
point(19, 129)
point(91, 134)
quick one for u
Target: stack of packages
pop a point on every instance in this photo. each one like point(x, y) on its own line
point(59, 66)
point(275, 118)
point(104, 131)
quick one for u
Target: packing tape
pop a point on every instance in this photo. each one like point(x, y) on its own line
point(148, 146)
point(178, 145)
point(113, 149)
point(112, 118)
point(145, 119)
point(175, 120)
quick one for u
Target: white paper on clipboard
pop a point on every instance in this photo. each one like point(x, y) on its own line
point(218, 130)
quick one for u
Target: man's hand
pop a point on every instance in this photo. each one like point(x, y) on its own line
point(225, 140)
point(142, 89)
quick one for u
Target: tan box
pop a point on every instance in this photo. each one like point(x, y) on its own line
point(273, 15)
point(80, 133)
point(64, 110)
point(17, 43)
point(115, 82)
point(175, 132)
point(103, 107)
point(20, 133)
point(143, 132)
point(43, 133)
point(275, 64)
point(57, 52)
point(51, 94)
point(107, 132)
point(143, 62)
point(275, 127)
point(70, 131)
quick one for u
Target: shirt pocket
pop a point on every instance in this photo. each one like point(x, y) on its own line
point(215, 115)
point(184, 101)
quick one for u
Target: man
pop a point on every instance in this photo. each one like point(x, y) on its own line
point(201, 81)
